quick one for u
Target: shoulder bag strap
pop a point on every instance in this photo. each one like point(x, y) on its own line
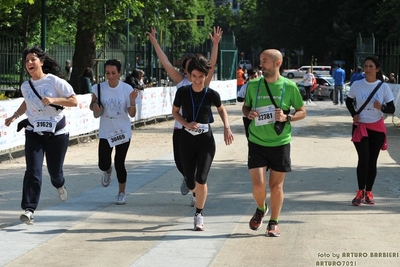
point(369, 98)
point(272, 98)
point(57, 107)
point(270, 94)
point(98, 93)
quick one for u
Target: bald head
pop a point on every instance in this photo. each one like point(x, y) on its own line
point(273, 54)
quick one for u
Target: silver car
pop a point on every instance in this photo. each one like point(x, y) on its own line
point(324, 89)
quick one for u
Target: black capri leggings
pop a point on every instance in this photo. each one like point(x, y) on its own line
point(119, 159)
point(176, 136)
point(197, 154)
point(368, 151)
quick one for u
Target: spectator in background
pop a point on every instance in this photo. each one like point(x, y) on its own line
point(245, 75)
point(308, 79)
point(85, 82)
point(239, 78)
point(135, 79)
point(339, 75)
point(67, 70)
point(358, 75)
point(392, 79)
point(253, 74)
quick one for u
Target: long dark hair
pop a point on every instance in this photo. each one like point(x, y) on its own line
point(88, 72)
point(379, 74)
point(49, 64)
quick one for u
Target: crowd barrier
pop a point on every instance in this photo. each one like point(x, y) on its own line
point(152, 103)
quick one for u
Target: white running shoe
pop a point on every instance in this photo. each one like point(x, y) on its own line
point(193, 202)
point(27, 217)
point(106, 178)
point(198, 223)
point(62, 193)
point(121, 199)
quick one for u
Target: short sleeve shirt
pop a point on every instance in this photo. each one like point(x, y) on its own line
point(115, 101)
point(196, 106)
point(361, 89)
point(48, 86)
point(257, 97)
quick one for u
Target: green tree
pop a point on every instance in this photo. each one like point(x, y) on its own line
point(88, 24)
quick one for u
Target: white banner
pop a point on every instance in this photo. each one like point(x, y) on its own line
point(152, 102)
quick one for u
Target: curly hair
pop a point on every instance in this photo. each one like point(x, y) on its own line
point(49, 64)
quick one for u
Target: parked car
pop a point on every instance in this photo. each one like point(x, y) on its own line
point(324, 89)
point(245, 64)
point(299, 73)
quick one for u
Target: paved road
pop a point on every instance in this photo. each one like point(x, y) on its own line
point(319, 225)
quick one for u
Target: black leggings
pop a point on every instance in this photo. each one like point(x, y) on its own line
point(197, 154)
point(119, 159)
point(308, 92)
point(368, 151)
point(176, 136)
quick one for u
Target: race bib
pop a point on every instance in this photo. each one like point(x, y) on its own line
point(266, 115)
point(44, 124)
point(203, 128)
point(117, 137)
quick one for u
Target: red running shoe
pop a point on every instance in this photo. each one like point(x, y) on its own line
point(256, 221)
point(359, 198)
point(369, 198)
point(273, 230)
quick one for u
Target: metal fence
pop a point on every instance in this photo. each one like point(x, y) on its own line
point(387, 52)
point(135, 54)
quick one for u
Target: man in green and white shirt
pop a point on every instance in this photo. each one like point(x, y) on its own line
point(269, 148)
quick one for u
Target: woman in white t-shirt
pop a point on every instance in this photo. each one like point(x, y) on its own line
point(45, 95)
point(369, 130)
point(308, 83)
point(118, 102)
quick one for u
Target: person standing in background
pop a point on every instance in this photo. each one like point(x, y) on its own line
point(308, 80)
point(45, 128)
point(118, 102)
point(369, 130)
point(240, 78)
point(68, 70)
point(392, 79)
point(135, 79)
point(253, 74)
point(85, 81)
point(339, 76)
point(358, 75)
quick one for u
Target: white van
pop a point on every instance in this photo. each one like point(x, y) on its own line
point(299, 73)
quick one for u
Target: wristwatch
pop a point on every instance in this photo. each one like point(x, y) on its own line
point(288, 117)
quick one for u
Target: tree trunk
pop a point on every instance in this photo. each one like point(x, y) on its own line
point(85, 53)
